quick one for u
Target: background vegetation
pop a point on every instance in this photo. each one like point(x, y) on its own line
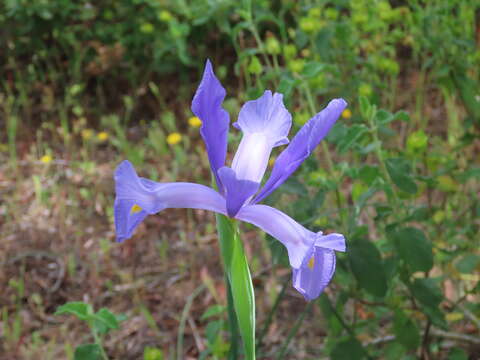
point(86, 84)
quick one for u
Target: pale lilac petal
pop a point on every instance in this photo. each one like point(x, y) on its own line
point(301, 146)
point(137, 197)
point(265, 123)
point(207, 106)
point(298, 240)
point(315, 273)
point(332, 241)
point(236, 191)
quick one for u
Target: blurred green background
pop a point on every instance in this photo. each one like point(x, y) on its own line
point(85, 85)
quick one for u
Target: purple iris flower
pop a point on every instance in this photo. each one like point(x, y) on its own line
point(265, 124)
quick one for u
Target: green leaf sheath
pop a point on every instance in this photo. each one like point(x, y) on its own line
point(240, 280)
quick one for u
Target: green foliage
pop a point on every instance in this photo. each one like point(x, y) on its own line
point(100, 323)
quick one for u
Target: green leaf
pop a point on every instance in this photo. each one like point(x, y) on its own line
point(238, 274)
point(105, 321)
point(468, 263)
point(365, 107)
point(414, 248)
point(354, 133)
point(312, 69)
point(88, 352)
point(399, 171)
point(366, 264)
point(79, 309)
point(457, 354)
point(406, 332)
point(213, 311)
point(427, 292)
point(349, 349)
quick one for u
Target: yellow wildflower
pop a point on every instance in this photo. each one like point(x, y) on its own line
point(174, 138)
point(87, 134)
point(346, 114)
point(102, 136)
point(46, 159)
point(194, 121)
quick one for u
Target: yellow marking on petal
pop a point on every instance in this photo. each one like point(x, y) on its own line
point(194, 121)
point(346, 114)
point(135, 209)
point(311, 262)
point(46, 159)
point(174, 138)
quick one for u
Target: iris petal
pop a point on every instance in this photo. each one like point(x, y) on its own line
point(207, 106)
point(236, 191)
point(301, 146)
point(315, 274)
point(297, 239)
point(152, 197)
point(265, 123)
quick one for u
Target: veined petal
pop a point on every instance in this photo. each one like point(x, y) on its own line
point(332, 241)
point(138, 197)
point(298, 240)
point(236, 191)
point(207, 106)
point(315, 273)
point(301, 146)
point(265, 123)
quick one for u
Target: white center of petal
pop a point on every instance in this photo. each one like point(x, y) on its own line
point(251, 159)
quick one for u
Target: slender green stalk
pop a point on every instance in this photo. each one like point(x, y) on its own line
point(328, 156)
point(183, 320)
point(232, 323)
point(240, 279)
point(281, 354)
point(98, 340)
point(269, 319)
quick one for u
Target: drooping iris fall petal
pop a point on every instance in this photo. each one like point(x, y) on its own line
point(138, 197)
point(297, 239)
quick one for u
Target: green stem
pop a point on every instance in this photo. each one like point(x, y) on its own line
point(98, 341)
point(232, 323)
point(183, 320)
point(328, 156)
point(291, 334)
point(240, 279)
point(378, 153)
point(269, 319)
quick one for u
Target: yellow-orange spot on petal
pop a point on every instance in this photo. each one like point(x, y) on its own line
point(135, 209)
point(311, 262)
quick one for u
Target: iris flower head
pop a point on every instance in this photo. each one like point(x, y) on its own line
point(265, 124)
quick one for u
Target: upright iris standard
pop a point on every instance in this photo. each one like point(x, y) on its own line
point(265, 124)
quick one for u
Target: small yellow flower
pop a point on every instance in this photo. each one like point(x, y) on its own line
point(102, 136)
point(346, 114)
point(174, 138)
point(46, 159)
point(87, 134)
point(194, 121)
